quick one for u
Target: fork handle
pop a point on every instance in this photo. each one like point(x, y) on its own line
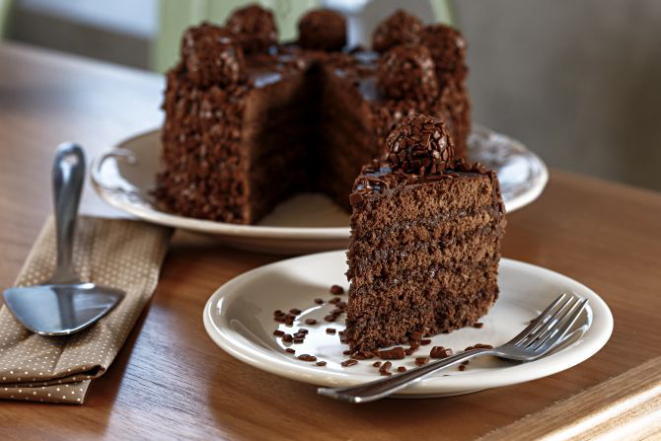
point(374, 390)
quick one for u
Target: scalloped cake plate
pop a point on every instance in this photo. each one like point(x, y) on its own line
point(125, 176)
point(239, 318)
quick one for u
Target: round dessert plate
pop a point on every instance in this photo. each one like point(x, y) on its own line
point(125, 176)
point(239, 318)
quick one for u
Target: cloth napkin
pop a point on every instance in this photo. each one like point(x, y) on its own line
point(121, 254)
point(626, 407)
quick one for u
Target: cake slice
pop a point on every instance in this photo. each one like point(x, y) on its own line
point(425, 240)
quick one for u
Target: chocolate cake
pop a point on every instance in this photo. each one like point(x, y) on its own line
point(250, 122)
point(425, 240)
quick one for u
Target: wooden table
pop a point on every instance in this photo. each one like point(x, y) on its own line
point(171, 382)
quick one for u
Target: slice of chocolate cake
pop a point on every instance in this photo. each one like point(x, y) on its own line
point(425, 240)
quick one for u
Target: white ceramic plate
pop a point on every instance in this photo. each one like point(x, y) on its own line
point(239, 318)
point(125, 176)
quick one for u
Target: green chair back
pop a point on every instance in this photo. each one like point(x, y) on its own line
point(4, 16)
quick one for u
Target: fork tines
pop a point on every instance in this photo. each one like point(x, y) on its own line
point(552, 324)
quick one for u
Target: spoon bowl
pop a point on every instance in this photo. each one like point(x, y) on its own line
point(54, 310)
point(63, 305)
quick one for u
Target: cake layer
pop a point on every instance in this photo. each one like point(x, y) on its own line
point(453, 277)
point(431, 228)
point(451, 251)
point(452, 194)
point(387, 314)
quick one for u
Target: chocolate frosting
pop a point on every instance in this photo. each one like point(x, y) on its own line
point(419, 150)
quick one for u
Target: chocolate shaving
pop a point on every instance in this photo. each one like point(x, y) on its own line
point(396, 353)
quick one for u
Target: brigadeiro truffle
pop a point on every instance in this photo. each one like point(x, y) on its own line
point(399, 28)
point(421, 145)
point(212, 57)
point(322, 29)
point(254, 28)
point(407, 72)
point(448, 50)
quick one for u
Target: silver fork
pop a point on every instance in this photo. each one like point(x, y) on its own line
point(536, 340)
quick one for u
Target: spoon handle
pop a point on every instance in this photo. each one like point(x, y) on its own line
point(68, 177)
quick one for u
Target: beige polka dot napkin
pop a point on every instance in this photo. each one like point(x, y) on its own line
point(121, 254)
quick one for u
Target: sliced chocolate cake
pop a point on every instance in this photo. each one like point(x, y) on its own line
point(425, 240)
point(250, 122)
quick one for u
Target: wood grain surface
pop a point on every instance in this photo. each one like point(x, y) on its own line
point(171, 382)
point(626, 407)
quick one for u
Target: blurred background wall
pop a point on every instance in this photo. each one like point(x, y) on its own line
point(578, 82)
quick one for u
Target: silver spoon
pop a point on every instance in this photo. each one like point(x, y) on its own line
point(63, 305)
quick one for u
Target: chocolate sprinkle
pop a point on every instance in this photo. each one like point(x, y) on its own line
point(396, 353)
point(349, 362)
point(307, 357)
point(440, 352)
point(337, 290)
